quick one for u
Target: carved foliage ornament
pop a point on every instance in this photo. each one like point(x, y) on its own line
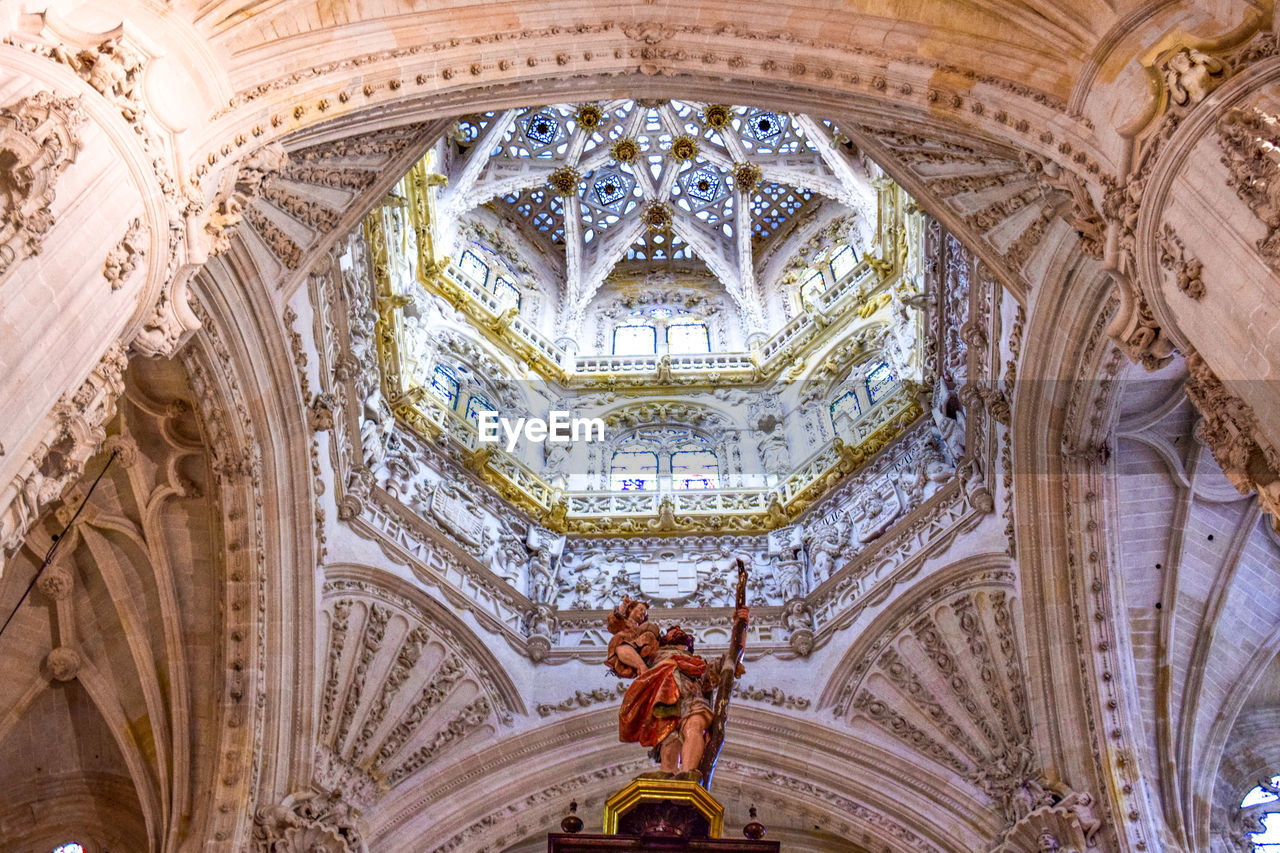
point(38, 141)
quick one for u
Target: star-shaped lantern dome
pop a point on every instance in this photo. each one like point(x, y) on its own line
point(646, 195)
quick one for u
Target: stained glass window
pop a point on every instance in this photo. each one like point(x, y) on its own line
point(633, 471)
point(694, 469)
point(843, 262)
point(444, 384)
point(814, 286)
point(635, 340)
point(846, 403)
point(878, 382)
point(686, 338)
point(476, 404)
point(474, 267)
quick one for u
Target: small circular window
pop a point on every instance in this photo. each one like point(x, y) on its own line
point(69, 847)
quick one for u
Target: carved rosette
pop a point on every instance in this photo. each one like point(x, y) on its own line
point(38, 141)
point(63, 663)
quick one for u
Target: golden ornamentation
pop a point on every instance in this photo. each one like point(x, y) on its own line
point(746, 176)
point(684, 148)
point(564, 181)
point(663, 790)
point(656, 215)
point(717, 116)
point(625, 150)
point(589, 116)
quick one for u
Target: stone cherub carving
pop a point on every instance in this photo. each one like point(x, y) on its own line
point(678, 701)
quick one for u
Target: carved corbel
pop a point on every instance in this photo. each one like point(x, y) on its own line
point(1229, 429)
point(1134, 327)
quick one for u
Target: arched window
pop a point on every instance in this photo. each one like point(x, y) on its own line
point(654, 453)
point(476, 404)
point(847, 403)
point(687, 338)
point(69, 847)
point(1261, 819)
point(694, 469)
point(843, 262)
point(474, 267)
point(814, 286)
point(879, 381)
point(678, 331)
point(487, 275)
point(635, 339)
point(633, 471)
point(444, 384)
point(506, 292)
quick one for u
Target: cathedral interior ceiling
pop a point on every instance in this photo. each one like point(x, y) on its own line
point(1029, 594)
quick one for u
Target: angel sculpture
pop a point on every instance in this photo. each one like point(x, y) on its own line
point(678, 702)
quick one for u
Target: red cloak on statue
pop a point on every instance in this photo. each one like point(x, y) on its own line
point(651, 706)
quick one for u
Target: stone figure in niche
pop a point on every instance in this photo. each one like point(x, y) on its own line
point(555, 468)
point(826, 545)
point(948, 417)
point(545, 549)
point(377, 422)
point(678, 701)
point(774, 452)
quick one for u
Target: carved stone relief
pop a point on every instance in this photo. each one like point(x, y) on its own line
point(38, 141)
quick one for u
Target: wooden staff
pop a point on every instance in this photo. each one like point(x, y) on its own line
point(724, 689)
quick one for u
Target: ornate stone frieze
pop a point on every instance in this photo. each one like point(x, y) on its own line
point(1229, 428)
point(38, 141)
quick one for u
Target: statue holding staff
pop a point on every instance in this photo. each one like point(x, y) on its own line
point(678, 702)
